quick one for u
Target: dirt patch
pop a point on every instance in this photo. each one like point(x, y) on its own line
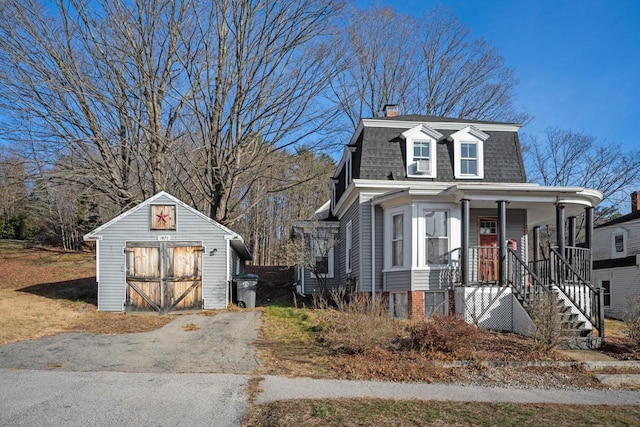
point(46, 291)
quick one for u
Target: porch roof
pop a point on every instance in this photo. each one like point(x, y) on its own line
point(539, 201)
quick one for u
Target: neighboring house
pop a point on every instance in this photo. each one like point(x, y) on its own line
point(435, 213)
point(616, 259)
point(163, 255)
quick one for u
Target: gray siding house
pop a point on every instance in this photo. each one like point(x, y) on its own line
point(165, 256)
point(434, 213)
point(616, 259)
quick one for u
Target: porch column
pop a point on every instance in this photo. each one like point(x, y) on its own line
point(502, 242)
point(560, 228)
point(588, 232)
point(464, 249)
point(572, 231)
point(536, 248)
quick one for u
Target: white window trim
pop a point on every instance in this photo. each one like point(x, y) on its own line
point(406, 239)
point(453, 224)
point(330, 260)
point(421, 133)
point(348, 256)
point(423, 235)
point(625, 240)
point(468, 135)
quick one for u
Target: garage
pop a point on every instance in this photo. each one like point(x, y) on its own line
point(164, 256)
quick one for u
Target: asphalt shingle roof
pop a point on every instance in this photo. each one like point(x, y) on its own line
point(381, 155)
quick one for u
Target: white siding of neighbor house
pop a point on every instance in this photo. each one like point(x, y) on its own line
point(602, 244)
point(135, 228)
point(625, 282)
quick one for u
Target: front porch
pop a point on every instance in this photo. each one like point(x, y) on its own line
point(497, 286)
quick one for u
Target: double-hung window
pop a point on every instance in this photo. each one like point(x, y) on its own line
point(468, 153)
point(469, 158)
point(436, 238)
point(397, 240)
point(422, 156)
point(421, 151)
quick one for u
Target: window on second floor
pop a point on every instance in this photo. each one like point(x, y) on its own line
point(619, 243)
point(421, 151)
point(469, 158)
point(468, 153)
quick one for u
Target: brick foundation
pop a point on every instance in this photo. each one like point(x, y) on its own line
point(416, 304)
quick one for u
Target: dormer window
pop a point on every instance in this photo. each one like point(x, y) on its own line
point(421, 151)
point(468, 153)
point(469, 158)
point(347, 168)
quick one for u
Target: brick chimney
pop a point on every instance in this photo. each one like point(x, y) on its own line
point(390, 110)
point(635, 201)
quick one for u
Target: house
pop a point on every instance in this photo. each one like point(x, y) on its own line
point(616, 259)
point(162, 255)
point(435, 214)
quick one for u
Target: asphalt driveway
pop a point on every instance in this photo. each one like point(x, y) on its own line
point(223, 343)
point(192, 372)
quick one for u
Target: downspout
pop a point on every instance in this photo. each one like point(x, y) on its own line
point(373, 254)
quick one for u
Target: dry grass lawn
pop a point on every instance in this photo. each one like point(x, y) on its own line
point(47, 291)
point(367, 412)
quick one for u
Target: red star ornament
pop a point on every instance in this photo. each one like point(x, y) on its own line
point(162, 216)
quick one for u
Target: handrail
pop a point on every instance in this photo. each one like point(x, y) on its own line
point(591, 305)
point(526, 283)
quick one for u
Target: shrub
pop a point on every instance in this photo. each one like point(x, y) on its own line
point(441, 333)
point(545, 315)
point(631, 318)
point(357, 327)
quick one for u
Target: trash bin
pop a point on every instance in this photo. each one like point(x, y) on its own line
point(246, 285)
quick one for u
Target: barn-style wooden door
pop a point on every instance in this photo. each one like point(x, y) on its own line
point(164, 276)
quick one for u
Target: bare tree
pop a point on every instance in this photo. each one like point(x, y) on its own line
point(258, 70)
point(380, 62)
point(428, 66)
point(92, 82)
point(188, 95)
point(563, 157)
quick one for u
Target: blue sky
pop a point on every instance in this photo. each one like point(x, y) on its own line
point(578, 61)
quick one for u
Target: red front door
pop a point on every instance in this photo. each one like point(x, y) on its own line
point(488, 251)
